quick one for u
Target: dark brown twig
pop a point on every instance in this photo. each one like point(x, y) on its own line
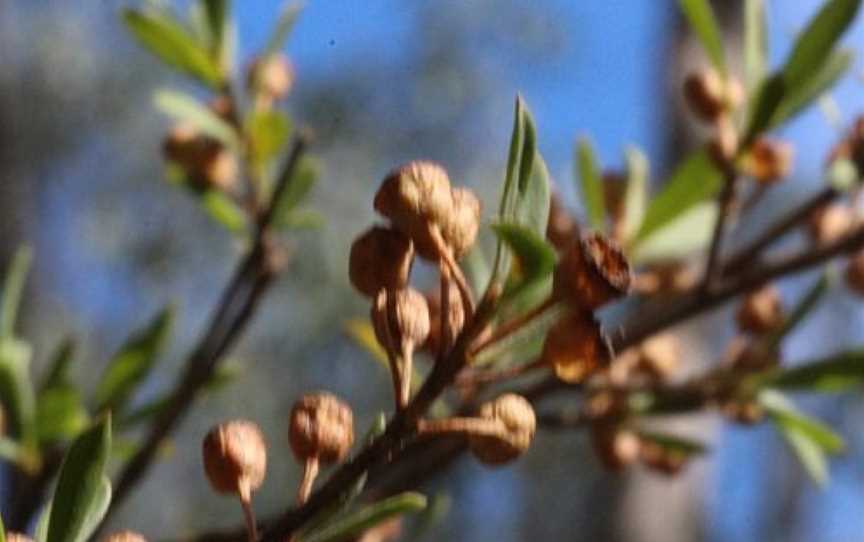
point(725, 207)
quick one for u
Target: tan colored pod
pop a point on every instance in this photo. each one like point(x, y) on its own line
point(321, 426)
point(235, 457)
point(591, 272)
point(768, 160)
point(272, 75)
point(575, 348)
point(460, 228)
point(517, 422)
point(381, 258)
point(830, 222)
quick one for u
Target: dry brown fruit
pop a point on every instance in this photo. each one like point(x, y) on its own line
point(381, 258)
point(591, 272)
point(235, 457)
point(321, 426)
point(768, 160)
point(575, 348)
point(615, 446)
point(761, 311)
point(517, 424)
point(830, 222)
point(461, 227)
point(660, 355)
point(125, 536)
point(855, 273)
point(454, 321)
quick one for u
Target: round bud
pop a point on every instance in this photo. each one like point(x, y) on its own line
point(855, 273)
point(830, 222)
point(591, 272)
point(454, 321)
point(407, 317)
point(235, 457)
point(761, 311)
point(220, 169)
point(183, 145)
point(661, 459)
point(723, 143)
point(273, 75)
point(460, 228)
point(518, 423)
point(768, 160)
point(616, 447)
point(381, 258)
point(322, 426)
point(709, 95)
point(17, 537)
point(125, 536)
point(660, 355)
point(575, 348)
point(561, 228)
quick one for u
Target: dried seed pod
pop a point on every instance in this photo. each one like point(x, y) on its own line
point(591, 272)
point(272, 75)
point(517, 423)
point(854, 273)
point(660, 355)
point(615, 446)
point(454, 321)
point(830, 222)
point(575, 347)
point(561, 229)
point(761, 311)
point(709, 95)
point(381, 258)
point(768, 160)
point(17, 537)
point(460, 229)
point(125, 536)
point(322, 426)
point(235, 457)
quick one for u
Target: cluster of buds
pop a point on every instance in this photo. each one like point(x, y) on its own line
point(439, 223)
point(502, 431)
point(713, 98)
point(270, 78)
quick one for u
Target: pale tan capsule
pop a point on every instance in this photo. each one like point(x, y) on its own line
point(272, 75)
point(381, 258)
point(575, 348)
point(321, 426)
point(517, 425)
point(768, 160)
point(460, 228)
point(235, 457)
point(830, 223)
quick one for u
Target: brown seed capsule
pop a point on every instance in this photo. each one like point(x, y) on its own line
point(761, 311)
point(561, 229)
point(454, 321)
point(17, 537)
point(273, 76)
point(321, 426)
point(575, 348)
point(460, 228)
point(125, 536)
point(183, 145)
point(854, 273)
point(615, 446)
point(206, 162)
point(768, 160)
point(591, 272)
point(381, 258)
point(709, 96)
point(830, 223)
point(517, 422)
point(235, 457)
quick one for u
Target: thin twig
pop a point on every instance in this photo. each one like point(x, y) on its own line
point(508, 328)
point(725, 205)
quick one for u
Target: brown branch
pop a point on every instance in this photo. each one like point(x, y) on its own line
point(232, 315)
point(725, 205)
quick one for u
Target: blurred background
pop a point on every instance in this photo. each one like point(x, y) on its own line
point(381, 82)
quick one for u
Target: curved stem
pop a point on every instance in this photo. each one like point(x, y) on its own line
point(446, 255)
point(508, 328)
point(310, 472)
point(248, 513)
point(444, 337)
point(406, 365)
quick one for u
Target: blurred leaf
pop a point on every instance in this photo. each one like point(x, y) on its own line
point(755, 42)
point(131, 366)
point(801, 311)
point(763, 107)
point(41, 534)
point(685, 447)
point(13, 287)
point(833, 374)
point(2, 530)
point(636, 194)
point(80, 499)
point(532, 208)
point(10, 450)
point(815, 43)
point(224, 210)
point(360, 329)
point(16, 389)
point(185, 108)
point(60, 413)
point(823, 78)
point(268, 131)
point(701, 18)
point(59, 370)
point(216, 12)
point(591, 184)
point(534, 256)
point(303, 219)
point(810, 439)
point(689, 232)
point(843, 174)
point(163, 35)
point(694, 181)
point(367, 517)
point(284, 26)
point(297, 189)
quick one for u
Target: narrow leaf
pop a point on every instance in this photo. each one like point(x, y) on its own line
point(755, 42)
point(703, 22)
point(636, 194)
point(820, 81)
point(59, 370)
point(224, 210)
point(674, 443)
point(185, 108)
point(16, 388)
point(801, 311)
point(216, 12)
point(60, 413)
point(535, 258)
point(837, 373)
point(357, 522)
point(2, 530)
point(13, 288)
point(298, 188)
point(268, 131)
point(284, 26)
point(591, 184)
point(80, 492)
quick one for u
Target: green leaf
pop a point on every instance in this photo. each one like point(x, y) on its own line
point(693, 182)
point(59, 371)
point(822, 79)
point(41, 534)
point(185, 108)
point(801, 311)
point(164, 36)
point(532, 208)
point(60, 413)
point(636, 194)
point(299, 186)
point(764, 107)
point(591, 184)
point(80, 495)
point(284, 26)
point(2, 530)
point(701, 18)
point(13, 288)
point(131, 366)
point(357, 522)
point(755, 42)
point(811, 440)
point(302, 219)
point(836, 373)
point(688, 233)
point(679, 445)
point(268, 132)
point(216, 12)
point(534, 256)
point(224, 210)
point(16, 388)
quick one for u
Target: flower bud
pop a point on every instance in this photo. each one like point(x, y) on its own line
point(205, 161)
point(460, 228)
point(125, 536)
point(709, 96)
point(235, 457)
point(220, 169)
point(381, 258)
point(761, 311)
point(768, 160)
point(272, 75)
point(517, 423)
point(17, 537)
point(616, 447)
point(591, 272)
point(855, 273)
point(322, 426)
point(575, 348)
point(406, 318)
point(454, 321)
point(830, 223)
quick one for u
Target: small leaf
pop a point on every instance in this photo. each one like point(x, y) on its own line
point(298, 187)
point(59, 372)
point(80, 493)
point(166, 38)
point(357, 522)
point(679, 445)
point(764, 107)
point(694, 181)
point(688, 233)
point(60, 413)
point(268, 132)
point(755, 42)
point(535, 257)
point(823, 78)
point(532, 208)
point(13, 288)
point(185, 108)
point(591, 184)
point(16, 389)
point(703, 22)
point(636, 194)
point(837, 373)
point(801, 311)
point(2, 530)
point(224, 210)
point(284, 25)
point(131, 366)
point(216, 12)
point(302, 219)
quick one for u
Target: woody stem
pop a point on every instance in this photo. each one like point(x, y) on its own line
point(460, 426)
point(310, 472)
point(508, 328)
point(444, 338)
